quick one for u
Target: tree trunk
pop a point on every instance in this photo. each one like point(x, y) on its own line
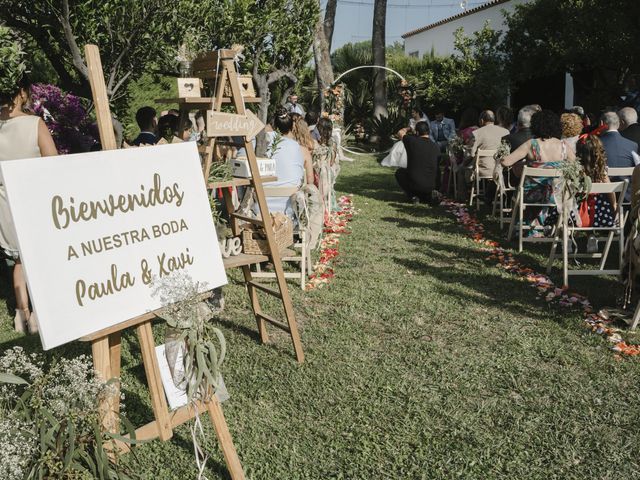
point(378, 45)
point(329, 21)
point(263, 111)
point(324, 71)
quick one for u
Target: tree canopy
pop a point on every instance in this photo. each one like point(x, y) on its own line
point(591, 39)
point(132, 36)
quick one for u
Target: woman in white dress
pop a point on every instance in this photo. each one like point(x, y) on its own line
point(287, 153)
point(22, 135)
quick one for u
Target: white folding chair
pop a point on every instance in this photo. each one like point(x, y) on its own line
point(502, 197)
point(520, 205)
point(300, 254)
point(619, 174)
point(476, 190)
point(567, 230)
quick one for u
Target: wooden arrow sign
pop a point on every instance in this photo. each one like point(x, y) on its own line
point(221, 124)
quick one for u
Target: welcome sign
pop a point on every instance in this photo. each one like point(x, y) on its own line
point(98, 232)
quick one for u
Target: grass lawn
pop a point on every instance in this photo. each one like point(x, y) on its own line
point(424, 361)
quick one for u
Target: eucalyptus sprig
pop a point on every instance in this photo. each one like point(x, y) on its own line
point(275, 145)
point(502, 151)
point(575, 182)
point(13, 65)
point(191, 336)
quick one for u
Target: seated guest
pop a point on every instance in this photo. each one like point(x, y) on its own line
point(168, 126)
point(301, 134)
point(629, 127)
point(504, 117)
point(283, 148)
point(442, 130)
point(417, 115)
point(419, 179)
point(487, 137)
point(468, 124)
point(601, 207)
point(146, 119)
point(521, 135)
point(619, 149)
point(571, 128)
point(545, 150)
point(312, 120)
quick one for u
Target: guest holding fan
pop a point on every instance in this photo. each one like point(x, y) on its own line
point(22, 135)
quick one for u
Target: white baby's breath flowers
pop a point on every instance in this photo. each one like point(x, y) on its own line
point(18, 443)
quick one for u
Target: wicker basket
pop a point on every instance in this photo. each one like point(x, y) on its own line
point(254, 239)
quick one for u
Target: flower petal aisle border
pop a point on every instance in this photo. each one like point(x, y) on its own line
point(337, 225)
point(596, 322)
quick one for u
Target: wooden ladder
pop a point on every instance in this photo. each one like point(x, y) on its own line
point(228, 73)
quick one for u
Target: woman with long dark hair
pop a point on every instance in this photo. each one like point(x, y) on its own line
point(22, 135)
point(545, 150)
point(287, 153)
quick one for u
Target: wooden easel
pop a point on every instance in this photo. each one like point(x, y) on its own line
point(206, 68)
point(106, 346)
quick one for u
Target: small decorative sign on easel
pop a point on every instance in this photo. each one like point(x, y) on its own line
point(230, 247)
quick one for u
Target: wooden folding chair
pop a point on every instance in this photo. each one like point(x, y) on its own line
point(520, 205)
point(566, 230)
point(502, 197)
point(300, 245)
point(476, 190)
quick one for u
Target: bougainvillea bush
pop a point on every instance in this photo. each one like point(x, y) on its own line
point(66, 117)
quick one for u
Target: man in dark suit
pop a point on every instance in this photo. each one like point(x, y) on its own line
point(619, 149)
point(420, 178)
point(520, 136)
point(629, 127)
point(147, 122)
point(523, 133)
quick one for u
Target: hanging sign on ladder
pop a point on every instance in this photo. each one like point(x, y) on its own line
point(221, 124)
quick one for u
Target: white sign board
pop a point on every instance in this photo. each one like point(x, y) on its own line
point(99, 231)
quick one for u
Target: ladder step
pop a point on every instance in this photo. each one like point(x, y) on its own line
point(255, 221)
point(265, 289)
point(275, 323)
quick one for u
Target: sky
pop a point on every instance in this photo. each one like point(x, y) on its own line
point(354, 18)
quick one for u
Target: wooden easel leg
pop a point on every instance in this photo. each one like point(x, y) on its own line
point(152, 370)
point(255, 304)
point(115, 352)
point(102, 365)
point(224, 437)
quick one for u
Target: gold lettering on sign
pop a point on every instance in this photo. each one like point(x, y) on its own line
point(65, 212)
point(93, 291)
point(71, 252)
point(167, 265)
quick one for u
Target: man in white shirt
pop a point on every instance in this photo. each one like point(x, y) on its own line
point(293, 106)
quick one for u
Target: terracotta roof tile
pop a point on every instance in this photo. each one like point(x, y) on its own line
point(491, 3)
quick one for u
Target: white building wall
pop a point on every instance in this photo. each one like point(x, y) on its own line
point(441, 38)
